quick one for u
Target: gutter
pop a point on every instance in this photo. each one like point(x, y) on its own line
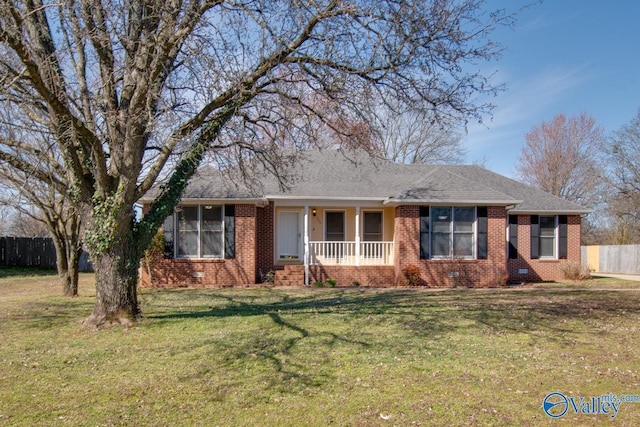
point(552, 212)
point(449, 202)
point(260, 202)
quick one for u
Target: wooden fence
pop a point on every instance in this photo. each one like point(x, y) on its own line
point(38, 252)
point(620, 259)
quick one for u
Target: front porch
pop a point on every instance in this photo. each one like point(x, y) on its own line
point(333, 236)
point(350, 253)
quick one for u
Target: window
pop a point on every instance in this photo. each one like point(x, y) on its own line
point(211, 242)
point(450, 232)
point(549, 236)
point(334, 230)
point(453, 232)
point(206, 231)
point(441, 232)
point(168, 230)
point(463, 232)
point(187, 235)
point(372, 222)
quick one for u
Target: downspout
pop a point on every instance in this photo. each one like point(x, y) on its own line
point(306, 244)
point(357, 235)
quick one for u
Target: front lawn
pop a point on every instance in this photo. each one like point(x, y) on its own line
point(358, 357)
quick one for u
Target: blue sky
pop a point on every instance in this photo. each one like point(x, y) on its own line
point(562, 56)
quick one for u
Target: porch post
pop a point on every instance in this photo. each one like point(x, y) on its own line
point(306, 244)
point(357, 234)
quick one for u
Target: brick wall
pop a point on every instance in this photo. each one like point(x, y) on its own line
point(255, 256)
point(406, 239)
point(265, 245)
point(443, 273)
point(542, 269)
point(344, 275)
point(212, 272)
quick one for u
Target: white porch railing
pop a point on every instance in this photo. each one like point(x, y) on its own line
point(344, 253)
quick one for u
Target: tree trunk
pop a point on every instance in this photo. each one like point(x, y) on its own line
point(116, 272)
point(116, 289)
point(70, 277)
point(69, 282)
point(67, 263)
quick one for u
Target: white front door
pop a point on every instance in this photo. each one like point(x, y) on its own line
point(289, 236)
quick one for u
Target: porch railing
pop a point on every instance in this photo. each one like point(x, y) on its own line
point(344, 253)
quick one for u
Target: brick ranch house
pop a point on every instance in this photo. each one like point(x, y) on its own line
point(360, 220)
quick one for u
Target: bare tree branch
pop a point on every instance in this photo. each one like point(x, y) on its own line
point(137, 90)
point(564, 157)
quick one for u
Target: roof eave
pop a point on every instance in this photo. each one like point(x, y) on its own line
point(449, 202)
point(516, 211)
point(258, 201)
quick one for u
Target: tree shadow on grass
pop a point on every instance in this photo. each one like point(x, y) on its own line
point(548, 315)
point(297, 342)
point(544, 315)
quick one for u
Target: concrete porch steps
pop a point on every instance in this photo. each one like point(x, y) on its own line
point(291, 275)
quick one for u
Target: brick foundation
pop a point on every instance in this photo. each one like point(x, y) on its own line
point(382, 275)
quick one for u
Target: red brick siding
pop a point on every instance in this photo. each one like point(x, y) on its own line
point(406, 239)
point(213, 272)
point(435, 273)
point(346, 275)
point(542, 270)
point(265, 244)
point(255, 256)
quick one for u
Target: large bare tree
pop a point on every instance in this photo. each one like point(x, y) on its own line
point(624, 202)
point(5, 214)
point(407, 136)
point(17, 220)
point(41, 207)
point(138, 90)
point(40, 211)
point(564, 157)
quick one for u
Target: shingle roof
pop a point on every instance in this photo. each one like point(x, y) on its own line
point(354, 175)
point(533, 200)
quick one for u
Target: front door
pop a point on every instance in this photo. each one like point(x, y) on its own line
point(289, 236)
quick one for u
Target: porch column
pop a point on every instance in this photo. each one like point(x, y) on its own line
point(305, 256)
point(357, 234)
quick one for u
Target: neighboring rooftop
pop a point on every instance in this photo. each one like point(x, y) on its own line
point(355, 175)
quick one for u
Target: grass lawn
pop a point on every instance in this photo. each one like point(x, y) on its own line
point(356, 357)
